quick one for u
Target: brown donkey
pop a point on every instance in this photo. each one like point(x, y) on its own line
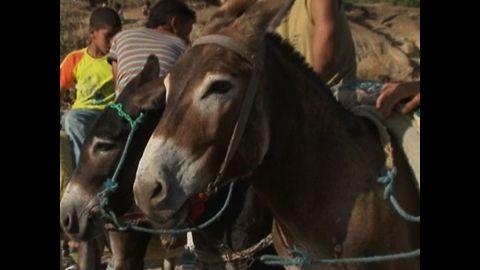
point(79, 208)
point(312, 162)
point(243, 225)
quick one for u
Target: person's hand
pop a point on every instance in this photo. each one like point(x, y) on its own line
point(393, 93)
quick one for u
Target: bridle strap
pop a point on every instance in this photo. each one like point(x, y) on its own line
point(257, 60)
point(248, 100)
point(228, 43)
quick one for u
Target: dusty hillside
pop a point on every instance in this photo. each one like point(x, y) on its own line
point(387, 40)
point(387, 37)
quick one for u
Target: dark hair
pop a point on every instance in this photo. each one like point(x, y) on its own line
point(164, 9)
point(105, 17)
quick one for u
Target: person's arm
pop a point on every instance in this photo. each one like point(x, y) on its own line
point(115, 74)
point(115, 70)
point(323, 14)
point(112, 58)
point(67, 72)
point(392, 93)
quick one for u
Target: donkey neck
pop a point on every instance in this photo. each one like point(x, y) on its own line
point(304, 115)
point(319, 154)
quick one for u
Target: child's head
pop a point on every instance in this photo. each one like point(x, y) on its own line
point(104, 24)
point(117, 6)
point(173, 15)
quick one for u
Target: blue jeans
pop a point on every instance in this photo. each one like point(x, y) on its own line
point(77, 124)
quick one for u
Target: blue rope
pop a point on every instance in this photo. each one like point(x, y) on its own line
point(370, 86)
point(111, 185)
point(124, 115)
point(122, 226)
point(302, 259)
point(387, 181)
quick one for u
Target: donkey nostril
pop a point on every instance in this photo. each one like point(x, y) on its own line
point(157, 190)
point(67, 222)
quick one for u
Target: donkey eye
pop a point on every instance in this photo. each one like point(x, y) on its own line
point(103, 146)
point(219, 87)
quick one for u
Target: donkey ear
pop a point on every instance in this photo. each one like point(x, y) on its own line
point(146, 91)
point(150, 71)
point(233, 8)
point(226, 14)
point(263, 16)
point(153, 95)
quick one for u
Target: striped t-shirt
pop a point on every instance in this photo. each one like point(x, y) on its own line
point(131, 48)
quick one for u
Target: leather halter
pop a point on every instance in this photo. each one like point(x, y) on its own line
point(257, 61)
point(228, 43)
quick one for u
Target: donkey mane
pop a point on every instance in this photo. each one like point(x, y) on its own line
point(292, 55)
point(315, 87)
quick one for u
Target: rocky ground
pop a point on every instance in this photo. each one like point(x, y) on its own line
point(387, 40)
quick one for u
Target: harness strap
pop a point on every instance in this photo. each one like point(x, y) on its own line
point(372, 114)
point(389, 175)
point(229, 43)
point(300, 259)
point(257, 61)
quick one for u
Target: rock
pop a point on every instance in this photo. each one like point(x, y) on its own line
point(403, 22)
point(408, 47)
point(356, 13)
point(377, 59)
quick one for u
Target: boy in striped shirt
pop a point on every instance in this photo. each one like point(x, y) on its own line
point(165, 35)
